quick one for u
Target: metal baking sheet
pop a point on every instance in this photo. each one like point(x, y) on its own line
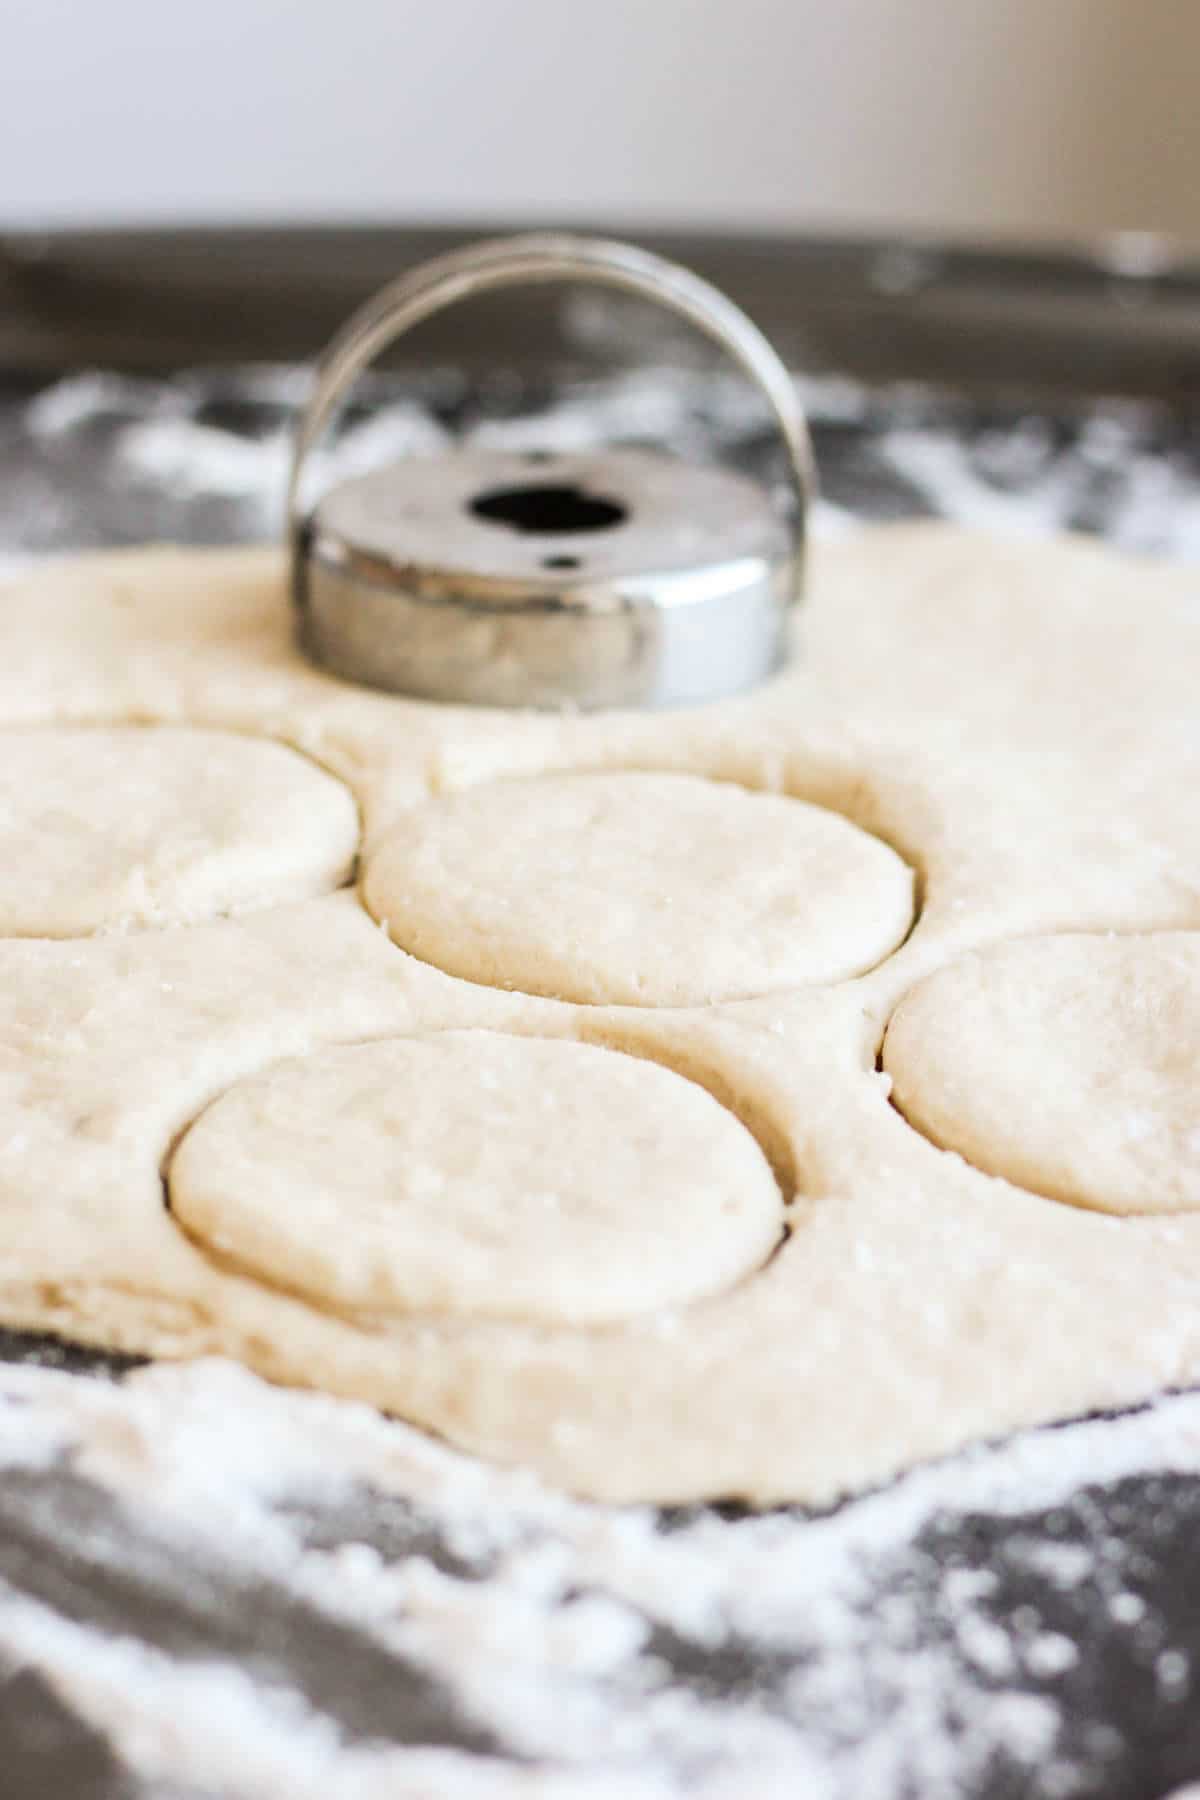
point(194, 451)
point(1119, 316)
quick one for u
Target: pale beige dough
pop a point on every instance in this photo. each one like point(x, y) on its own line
point(112, 829)
point(1017, 720)
point(1067, 1064)
point(637, 889)
point(478, 1174)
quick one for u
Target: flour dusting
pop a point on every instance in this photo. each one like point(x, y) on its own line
point(203, 456)
point(600, 1648)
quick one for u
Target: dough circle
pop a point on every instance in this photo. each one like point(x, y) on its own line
point(479, 1174)
point(110, 828)
point(638, 889)
point(1064, 1064)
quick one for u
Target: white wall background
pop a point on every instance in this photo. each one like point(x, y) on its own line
point(1031, 117)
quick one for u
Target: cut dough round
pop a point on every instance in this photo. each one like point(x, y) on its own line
point(135, 826)
point(635, 889)
point(474, 1173)
point(1065, 1064)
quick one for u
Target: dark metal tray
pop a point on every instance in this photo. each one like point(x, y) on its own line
point(1038, 391)
point(1119, 317)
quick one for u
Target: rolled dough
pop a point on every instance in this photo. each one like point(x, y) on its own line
point(1068, 1065)
point(636, 889)
point(487, 1176)
point(118, 828)
point(1018, 720)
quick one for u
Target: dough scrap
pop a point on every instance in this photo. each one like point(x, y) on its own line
point(1018, 719)
point(111, 829)
point(481, 1175)
point(637, 889)
point(1067, 1065)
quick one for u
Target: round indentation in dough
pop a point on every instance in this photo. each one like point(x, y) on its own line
point(638, 889)
point(1064, 1064)
point(109, 828)
point(478, 1174)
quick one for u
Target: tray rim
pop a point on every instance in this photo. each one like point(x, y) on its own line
point(1116, 315)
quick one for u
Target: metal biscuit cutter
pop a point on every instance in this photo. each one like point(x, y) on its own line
point(614, 578)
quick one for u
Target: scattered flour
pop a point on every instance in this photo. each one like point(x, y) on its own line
point(1116, 469)
point(183, 455)
point(558, 1625)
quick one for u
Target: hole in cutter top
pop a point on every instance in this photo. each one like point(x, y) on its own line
point(562, 562)
point(547, 508)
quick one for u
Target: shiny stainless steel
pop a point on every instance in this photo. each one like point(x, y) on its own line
point(685, 597)
point(682, 597)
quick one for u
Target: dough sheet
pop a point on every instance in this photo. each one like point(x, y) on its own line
point(952, 848)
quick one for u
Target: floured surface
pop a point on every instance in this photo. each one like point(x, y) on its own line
point(247, 1592)
point(1017, 722)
